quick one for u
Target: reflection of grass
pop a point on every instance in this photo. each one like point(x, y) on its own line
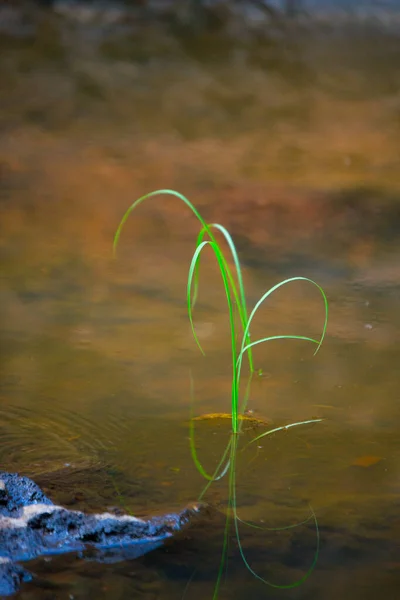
point(237, 307)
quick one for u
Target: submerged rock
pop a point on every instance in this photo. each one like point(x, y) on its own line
point(31, 526)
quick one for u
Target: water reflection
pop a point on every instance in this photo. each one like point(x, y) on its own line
point(96, 353)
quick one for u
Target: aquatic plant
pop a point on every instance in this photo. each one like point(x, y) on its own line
point(236, 301)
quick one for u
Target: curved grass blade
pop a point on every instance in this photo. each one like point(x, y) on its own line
point(235, 295)
point(239, 297)
point(220, 259)
point(284, 428)
point(189, 300)
point(160, 192)
point(276, 287)
point(262, 341)
point(245, 347)
point(277, 337)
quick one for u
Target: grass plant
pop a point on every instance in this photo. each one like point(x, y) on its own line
point(241, 347)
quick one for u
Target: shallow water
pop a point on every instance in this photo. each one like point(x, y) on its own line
point(95, 394)
point(97, 354)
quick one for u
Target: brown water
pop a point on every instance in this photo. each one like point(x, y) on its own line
point(97, 354)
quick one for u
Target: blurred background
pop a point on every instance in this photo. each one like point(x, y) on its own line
point(281, 121)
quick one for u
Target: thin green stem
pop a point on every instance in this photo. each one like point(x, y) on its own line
point(224, 275)
point(235, 295)
point(240, 298)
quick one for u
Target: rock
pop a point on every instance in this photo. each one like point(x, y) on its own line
point(11, 577)
point(16, 492)
point(31, 526)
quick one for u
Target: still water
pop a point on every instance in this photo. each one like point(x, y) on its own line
point(97, 354)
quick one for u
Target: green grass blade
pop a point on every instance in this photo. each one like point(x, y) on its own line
point(276, 287)
point(245, 400)
point(262, 341)
point(160, 192)
point(239, 297)
point(189, 301)
point(277, 337)
point(236, 299)
point(284, 428)
point(220, 259)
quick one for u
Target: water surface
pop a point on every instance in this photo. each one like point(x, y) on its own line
point(97, 353)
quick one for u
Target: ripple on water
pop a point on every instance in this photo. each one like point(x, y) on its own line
point(32, 438)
